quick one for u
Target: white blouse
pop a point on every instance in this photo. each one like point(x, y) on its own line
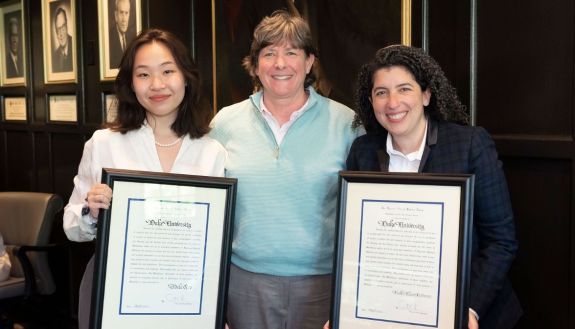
point(5, 264)
point(134, 150)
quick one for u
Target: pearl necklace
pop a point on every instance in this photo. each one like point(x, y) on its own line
point(168, 144)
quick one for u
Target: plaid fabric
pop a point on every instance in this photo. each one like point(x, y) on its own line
point(452, 148)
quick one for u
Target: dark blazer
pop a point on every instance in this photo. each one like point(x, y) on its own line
point(451, 148)
point(13, 70)
point(115, 47)
point(61, 64)
point(116, 51)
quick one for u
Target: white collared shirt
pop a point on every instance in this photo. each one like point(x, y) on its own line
point(280, 132)
point(399, 162)
point(133, 150)
point(64, 50)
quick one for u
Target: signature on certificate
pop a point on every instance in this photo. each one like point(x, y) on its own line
point(178, 299)
point(410, 307)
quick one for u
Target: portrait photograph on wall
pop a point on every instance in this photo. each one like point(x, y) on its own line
point(119, 22)
point(13, 55)
point(346, 34)
point(59, 39)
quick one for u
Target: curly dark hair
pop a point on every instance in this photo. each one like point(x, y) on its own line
point(443, 105)
point(194, 113)
point(280, 26)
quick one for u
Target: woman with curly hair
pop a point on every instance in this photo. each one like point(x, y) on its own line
point(415, 123)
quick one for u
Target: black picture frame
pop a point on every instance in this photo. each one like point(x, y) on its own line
point(414, 231)
point(183, 224)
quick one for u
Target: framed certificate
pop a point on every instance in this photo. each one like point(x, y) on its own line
point(15, 109)
point(110, 102)
point(402, 251)
point(163, 247)
point(62, 108)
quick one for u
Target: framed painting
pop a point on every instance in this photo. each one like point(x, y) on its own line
point(163, 250)
point(59, 40)
point(402, 251)
point(119, 22)
point(12, 50)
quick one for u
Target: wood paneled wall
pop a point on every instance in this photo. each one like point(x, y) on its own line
point(526, 74)
point(525, 99)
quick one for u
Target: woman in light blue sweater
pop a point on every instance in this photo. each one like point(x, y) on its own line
point(286, 144)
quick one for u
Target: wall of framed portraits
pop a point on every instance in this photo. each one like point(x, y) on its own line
point(64, 89)
point(511, 65)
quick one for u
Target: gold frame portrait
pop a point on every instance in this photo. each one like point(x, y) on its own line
point(105, 14)
point(66, 69)
point(9, 11)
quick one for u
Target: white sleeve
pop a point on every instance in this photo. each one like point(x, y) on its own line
point(77, 227)
point(5, 264)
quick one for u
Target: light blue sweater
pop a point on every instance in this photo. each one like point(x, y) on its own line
point(287, 194)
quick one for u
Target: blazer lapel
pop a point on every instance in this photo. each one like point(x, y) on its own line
point(383, 159)
point(431, 140)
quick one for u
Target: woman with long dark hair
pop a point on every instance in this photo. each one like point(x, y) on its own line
point(161, 125)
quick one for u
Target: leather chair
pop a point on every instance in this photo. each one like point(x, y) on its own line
point(26, 220)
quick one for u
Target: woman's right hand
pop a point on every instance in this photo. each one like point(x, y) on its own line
point(326, 325)
point(99, 197)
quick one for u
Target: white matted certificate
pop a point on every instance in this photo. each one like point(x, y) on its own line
point(63, 108)
point(110, 108)
point(402, 255)
point(15, 109)
point(163, 251)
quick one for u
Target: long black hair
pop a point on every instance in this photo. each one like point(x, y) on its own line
point(194, 113)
